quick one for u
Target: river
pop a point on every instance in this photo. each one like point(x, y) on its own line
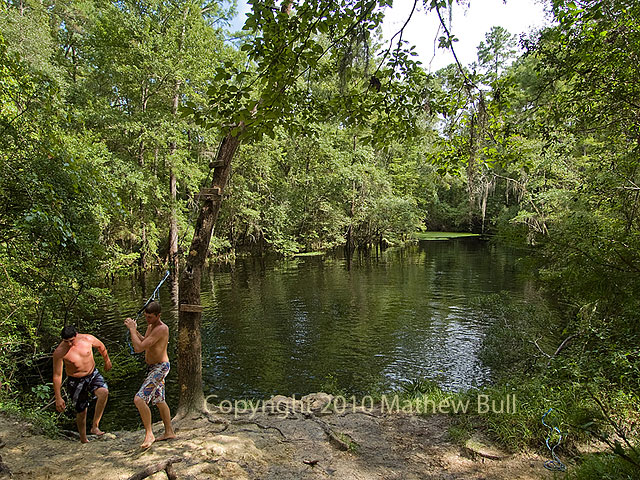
point(291, 327)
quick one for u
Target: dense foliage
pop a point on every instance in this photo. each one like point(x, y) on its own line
point(105, 106)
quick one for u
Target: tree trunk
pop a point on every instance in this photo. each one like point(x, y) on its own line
point(143, 248)
point(352, 210)
point(141, 151)
point(166, 465)
point(174, 260)
point(143, 226)
point(471, 168)
point(190, 321)
point(190, 318)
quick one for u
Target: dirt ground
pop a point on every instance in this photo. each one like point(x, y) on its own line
point(285, 444)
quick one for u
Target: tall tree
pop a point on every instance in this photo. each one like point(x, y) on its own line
point(53, 204)
point(496, 51)
point(289, 43)
point(141, 60)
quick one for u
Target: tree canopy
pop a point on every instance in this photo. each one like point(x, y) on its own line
point(112, 115)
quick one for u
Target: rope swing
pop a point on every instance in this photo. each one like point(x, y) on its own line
point(555, 465)
point(154, 296)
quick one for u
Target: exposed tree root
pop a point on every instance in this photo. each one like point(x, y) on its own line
point(342, 441)
point(263, 427)
point(166, 465)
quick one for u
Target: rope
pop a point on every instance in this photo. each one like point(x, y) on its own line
point(554, 465)
point(154, 296)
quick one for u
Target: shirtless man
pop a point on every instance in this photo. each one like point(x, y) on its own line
point(75, 352)
point(154, 345)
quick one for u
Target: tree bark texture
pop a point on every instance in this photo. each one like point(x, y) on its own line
point(189, 323)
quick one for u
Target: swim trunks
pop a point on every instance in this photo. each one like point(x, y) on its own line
point(79, 388)
point(152, 389)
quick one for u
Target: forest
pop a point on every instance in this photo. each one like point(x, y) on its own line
point(131, 130)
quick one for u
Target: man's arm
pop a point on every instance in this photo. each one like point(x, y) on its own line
point(140, 336)
point(57, 382)
point(134, 332)
point(140, 343)
point(103, 351)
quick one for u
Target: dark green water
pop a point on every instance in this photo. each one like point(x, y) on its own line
point(316, 323)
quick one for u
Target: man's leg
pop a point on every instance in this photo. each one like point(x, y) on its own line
point(102, 394)
point(81, 421)
point(165, 414)
point(145, 415)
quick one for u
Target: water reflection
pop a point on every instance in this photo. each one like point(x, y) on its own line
point(297, 326)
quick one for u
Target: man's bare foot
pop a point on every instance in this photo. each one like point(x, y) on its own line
point(148, 440)
point(84, 439)
point(166, 436)
point(96, 431)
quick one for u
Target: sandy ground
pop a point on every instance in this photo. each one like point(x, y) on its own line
point(269, 445)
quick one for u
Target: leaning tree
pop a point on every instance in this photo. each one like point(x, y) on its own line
point(287, 46)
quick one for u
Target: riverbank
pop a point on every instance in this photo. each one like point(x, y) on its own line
point(285, 444)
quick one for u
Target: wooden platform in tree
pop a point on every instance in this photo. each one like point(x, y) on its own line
point(216, 164)
point(211, 156)
point(213, 193)
point(185, 307)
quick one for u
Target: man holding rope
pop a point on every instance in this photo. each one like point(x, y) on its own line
point(75, 353)
point(154, 343)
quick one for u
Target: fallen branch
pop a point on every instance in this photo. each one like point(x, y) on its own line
point(475, 448)
point(535, 342)
point(48, 404)
point(561, 347)
point(619, 431)
point(564, 343)
point(166, 465)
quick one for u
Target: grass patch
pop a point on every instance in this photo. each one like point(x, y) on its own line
point(606, 466)
point(443, 235)
point(462, 429)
